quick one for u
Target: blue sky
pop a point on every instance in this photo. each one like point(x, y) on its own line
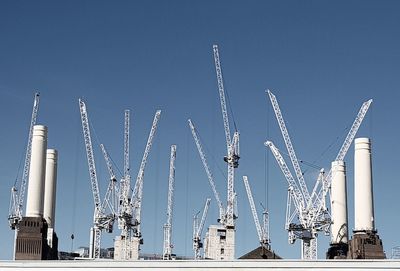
point(322, 59)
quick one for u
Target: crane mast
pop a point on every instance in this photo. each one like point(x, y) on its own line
point(126, 180)
point(263, 232)
point(232, 146)
point(17, 199)
point(167, 249)
point(197, 230)
point(208, 172)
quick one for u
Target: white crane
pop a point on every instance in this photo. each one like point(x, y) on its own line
point(232, 145)
point(295, 196)
point(210, 177)
point(263, 232)
point(126, 180)
point(167, 248)
point(125, 209)
point(197, 230)
point(101, 221)
point(130, 208)
point(138, 190)
point(18, 196)
point(310, 210)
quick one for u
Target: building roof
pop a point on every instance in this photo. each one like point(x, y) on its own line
point(260, 253)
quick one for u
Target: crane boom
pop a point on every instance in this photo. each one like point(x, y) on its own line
point(89, 154)
point(198, 228)
point(108, 162)
point(232, 145)
point(167, 251)
point(111, 196)
point(17, 199)
point(94, 251)
point(221, 90)
point(208, 171)
point(289, 146)
point(253, 209)
point(138, 190)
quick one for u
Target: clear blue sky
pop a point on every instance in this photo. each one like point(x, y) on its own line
point(322, 59)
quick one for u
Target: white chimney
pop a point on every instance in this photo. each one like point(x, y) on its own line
point(34, 204)
point(339, 227)
point(363, 197)
point(50, 187)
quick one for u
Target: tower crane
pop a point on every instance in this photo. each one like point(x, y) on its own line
point(197, 230)
point(101, 221)
point(263, 232)
point(232, 145)
point(18, 197)
point(210, 177)
point(126, 180)
point(130, 211)
point(299, 230)
point(125, 210)
point(167, 248)
point(311, 210)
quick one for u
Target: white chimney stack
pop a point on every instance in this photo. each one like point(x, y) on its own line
point(34, 204)
point(50, 187)
point(339, 227)
point(363, 196)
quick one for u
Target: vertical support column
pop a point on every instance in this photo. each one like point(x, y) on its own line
point(363, 197)
point(365, 243)
point(50, 187)
point(34, 205)
point(339, 226)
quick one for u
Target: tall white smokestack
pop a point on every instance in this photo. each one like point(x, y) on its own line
point(50, 187)
point(34, 204)
point(363, 197)
point(339, 227)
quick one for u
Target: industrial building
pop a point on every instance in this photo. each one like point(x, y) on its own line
point(36, 238)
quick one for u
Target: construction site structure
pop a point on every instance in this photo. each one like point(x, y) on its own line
point(198, 229)
point(167, 244)
point(218, 233)
point(102, 221)
point(127, 245)
point(310, 214)
point(220, 239)
point(365, 243)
